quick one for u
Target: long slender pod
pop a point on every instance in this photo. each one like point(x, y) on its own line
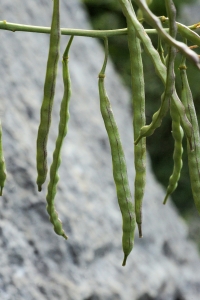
point(64, 117)
point(49, 91)
point(155, 22)
point(138, 103)
point(159, 66)
point(177, 133)
point(2, 164)
point(193, 156)
point(119, 166)
point(170, 86)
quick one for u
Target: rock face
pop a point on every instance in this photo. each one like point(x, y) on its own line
point(36, 263)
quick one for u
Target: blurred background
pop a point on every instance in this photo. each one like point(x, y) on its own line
point(106, 14)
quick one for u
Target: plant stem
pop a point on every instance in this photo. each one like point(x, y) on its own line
point(4, 25)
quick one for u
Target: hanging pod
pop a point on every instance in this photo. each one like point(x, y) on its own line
point(139, 120)
point(177, 133)
point(119, 166)
point(193, 156)
point(49, 91)
point(62, 131)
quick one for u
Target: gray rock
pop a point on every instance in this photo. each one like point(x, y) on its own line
point(189, 10)
point(35, 262)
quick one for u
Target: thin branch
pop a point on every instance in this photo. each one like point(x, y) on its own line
point(4, 25)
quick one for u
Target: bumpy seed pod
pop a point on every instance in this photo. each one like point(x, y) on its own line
point(49, 91)
point(119, 166)
point(177, 133)
point(64, 118)
point(193, 156)
point(138, 103)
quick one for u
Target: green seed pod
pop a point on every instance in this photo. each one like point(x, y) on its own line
point(49, 91)
point(119, 166)
point(177, 133)
point(193, 156)
point(138, 102)
point(64, 118)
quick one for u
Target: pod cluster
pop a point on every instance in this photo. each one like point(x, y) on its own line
point(182, 111)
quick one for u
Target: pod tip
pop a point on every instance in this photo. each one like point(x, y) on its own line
point(140, 230)
point(124, 261)
point(65, 236)
point(165, 200)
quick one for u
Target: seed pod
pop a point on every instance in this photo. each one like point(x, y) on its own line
point(138, 103)
point(177, 133)
point(193, 156)
point(64, 118)
point(119, 166)
point(49, 91)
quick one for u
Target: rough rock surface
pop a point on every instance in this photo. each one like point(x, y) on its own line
point(37, 264)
